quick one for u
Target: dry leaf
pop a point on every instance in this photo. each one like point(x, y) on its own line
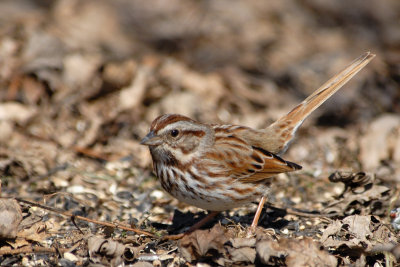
point(105, 251)
point(358, 233)
point(242, 249)
point(142, 264)
point(97, 72)
point(361, 194)
point(38, 232)
point(305, 252)
point(79, 70)
point(131, 96)
point(198, 243)
point(17, 112)
point(245, 254)
point(269, 248)
point(374, 145)
point(10, 218)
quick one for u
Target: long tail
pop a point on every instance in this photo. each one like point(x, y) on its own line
point(285, 128)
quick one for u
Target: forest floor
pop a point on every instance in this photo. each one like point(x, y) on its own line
point(81, 82)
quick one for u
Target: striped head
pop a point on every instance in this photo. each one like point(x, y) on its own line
point(175, 138)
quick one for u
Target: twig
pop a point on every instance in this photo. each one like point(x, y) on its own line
point(73, 217)
point(302, 213)
point(36, 249)
point(91, 153)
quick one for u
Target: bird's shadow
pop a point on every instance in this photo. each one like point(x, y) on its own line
point(271, 217)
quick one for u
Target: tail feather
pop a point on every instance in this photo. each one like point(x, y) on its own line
point(286, 127)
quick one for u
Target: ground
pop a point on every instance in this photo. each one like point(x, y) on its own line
point(81, 82)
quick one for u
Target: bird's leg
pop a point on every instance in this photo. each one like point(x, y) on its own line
point(196, 226)
point(202, 222)
point(258, 213)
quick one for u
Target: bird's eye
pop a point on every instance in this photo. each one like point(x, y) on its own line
point(174, 133)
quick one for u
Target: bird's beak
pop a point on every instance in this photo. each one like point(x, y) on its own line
point(151, 139)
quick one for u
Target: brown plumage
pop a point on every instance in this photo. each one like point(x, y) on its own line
point(218, 167)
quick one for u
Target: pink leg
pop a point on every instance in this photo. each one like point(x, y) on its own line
point(258, 213)
point(202, 222)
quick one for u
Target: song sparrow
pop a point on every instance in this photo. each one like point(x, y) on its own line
point(219, 167)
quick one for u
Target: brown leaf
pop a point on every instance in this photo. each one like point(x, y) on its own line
point(18, 243)
point(242, 249)
point(359, 226)
point(307, 252)
point(245, 254)
point(331, 230)
point(374, 145)
point(17, 112)
point(243, 242)
point(359, 233)
point(199, 242)
point(131, 96)
point(304, 252)
point(393, 248)
point(142, 264)
point(269, 248)
point(105, 251)
point(38, 231)
point(10, 218)
point(360, 190)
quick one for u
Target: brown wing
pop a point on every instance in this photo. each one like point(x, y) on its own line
point(271, 165)
point(234, 157)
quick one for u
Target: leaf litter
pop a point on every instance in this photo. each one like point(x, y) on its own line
point(82, 80)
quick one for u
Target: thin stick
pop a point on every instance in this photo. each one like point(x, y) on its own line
point(72, 216)
point(33, 249)
point(303, 213)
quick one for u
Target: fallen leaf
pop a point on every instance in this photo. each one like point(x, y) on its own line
point(39, 231)
point(17, 112)
point(269, 248)
point(362, 194)
point(358, 233)
point(142, 264)
point(246, 254)
point(198, 243)
point(10, 218)
point(374, 145)
point(105, 251)
point(305, 252)
point(6, 130)
point(243, 242)
point(359, 227)
point(80, 69)
point(131, 96)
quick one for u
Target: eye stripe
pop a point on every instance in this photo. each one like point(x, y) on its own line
point(167, 119)
point(197, 133)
